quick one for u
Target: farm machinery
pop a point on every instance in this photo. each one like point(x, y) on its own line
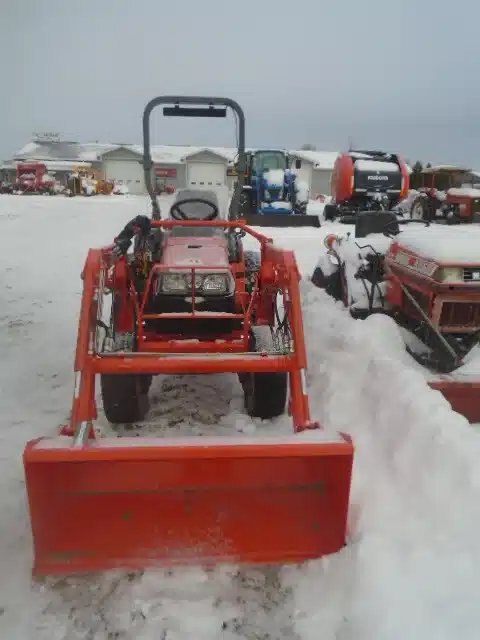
point(32, 177)
point(428, 279)
point(187, 298)
point(366, 181)
point(444, 195)
point(272, 196)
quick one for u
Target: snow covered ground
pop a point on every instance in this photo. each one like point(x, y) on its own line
point(409, 569)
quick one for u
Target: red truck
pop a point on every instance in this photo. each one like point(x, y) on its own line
point(32, 177)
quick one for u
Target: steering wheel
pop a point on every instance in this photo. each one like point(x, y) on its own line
point(177, 213)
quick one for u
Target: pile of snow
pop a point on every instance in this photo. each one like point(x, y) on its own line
point(377, 165)
point(316, 207)
point(465, 192)
point(303, 190)
point(459, 244)
point(409, 569)
point(404, 207)
point(274, 177)
point(278, 204)
point(120, 189)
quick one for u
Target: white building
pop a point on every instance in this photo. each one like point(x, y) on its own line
point(315, 169)
point(179, 166)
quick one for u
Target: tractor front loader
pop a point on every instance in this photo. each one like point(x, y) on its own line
point(187, 300)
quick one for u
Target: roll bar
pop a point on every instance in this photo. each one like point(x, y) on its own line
point(209, 112)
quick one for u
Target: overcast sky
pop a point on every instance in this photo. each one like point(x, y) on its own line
point(399, 75)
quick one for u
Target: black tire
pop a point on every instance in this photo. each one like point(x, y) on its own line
point(145, 383)
point(330, 211)
point(331, 283)
point(265, 394)
point(245, 204)
point(124, 397)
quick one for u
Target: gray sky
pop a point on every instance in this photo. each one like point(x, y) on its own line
point(399, 75)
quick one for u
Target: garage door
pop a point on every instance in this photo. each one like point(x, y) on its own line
point(126, 172)
point(206, 174)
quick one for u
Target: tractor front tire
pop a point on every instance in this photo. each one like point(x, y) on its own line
point(330, 212)
point(332, 283)
point(265, 394)
point(125, 397)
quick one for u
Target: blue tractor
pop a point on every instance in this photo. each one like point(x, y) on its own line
point(272, 196)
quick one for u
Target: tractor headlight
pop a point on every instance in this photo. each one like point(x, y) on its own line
point(215, 283)
point(174, 283)
point(205, 283)
point(449, 274)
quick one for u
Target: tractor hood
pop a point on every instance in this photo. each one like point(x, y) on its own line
point(201, 252)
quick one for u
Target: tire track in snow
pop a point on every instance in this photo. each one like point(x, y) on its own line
point(227, 602)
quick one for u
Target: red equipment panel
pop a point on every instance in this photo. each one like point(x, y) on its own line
point(463, 395)
point(342, 178)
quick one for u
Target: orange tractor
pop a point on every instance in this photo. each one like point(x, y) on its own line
point(445, 195)
point(187, 299)
point(427, 278)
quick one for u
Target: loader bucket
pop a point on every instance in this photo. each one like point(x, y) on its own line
point(137, 502)
point(282, 220)
point(463, 394)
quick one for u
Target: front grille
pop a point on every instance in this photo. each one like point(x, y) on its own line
point(460, 314)
point(471, 274)
point(191, 327)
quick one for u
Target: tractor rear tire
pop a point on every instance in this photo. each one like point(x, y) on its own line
point(265, 394)
point(125, 397)
point(330, 212)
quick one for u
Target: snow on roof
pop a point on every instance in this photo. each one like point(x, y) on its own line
point(62, 150)
point(445, 167)
point(453, 245)
point(173, 154)
point(92, 151)
point(464, 191)
point(223, 152)
point(376, 165)
point(319, 159)
point(29, 148)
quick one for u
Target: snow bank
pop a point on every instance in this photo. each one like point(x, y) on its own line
point(409, 570)
point(443, 243)
point(316, 207)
